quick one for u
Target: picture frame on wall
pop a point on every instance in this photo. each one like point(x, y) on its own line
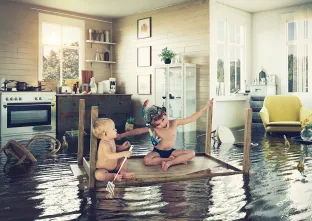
point(144, 56)
point(144, 84)
point(144, 28)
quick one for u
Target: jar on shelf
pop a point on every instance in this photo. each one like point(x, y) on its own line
point(98, 35)
point(90, 34)
point(97, 55)
point(107, 39)
point(102, 38)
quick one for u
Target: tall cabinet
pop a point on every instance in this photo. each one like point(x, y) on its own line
point(175, 88)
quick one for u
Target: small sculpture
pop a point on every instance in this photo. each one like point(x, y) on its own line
point(286, 142)
point(300, 166)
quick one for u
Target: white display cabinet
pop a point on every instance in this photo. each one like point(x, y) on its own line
point(175, 88)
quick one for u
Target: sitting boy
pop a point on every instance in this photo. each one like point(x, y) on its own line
point(108, 161)
point(164, 154)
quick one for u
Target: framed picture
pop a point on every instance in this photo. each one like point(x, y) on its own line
point(144, 28)
point(144, 84)
point(144, 56)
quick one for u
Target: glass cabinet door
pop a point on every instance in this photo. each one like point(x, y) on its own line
point(160, 87)
point(190, 96)
point(175, 92)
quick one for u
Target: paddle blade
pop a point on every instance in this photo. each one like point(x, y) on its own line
point(110, 187)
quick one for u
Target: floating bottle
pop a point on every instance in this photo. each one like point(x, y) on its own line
point(64, 143)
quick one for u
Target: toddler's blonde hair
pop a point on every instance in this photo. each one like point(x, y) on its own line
point(100, 126)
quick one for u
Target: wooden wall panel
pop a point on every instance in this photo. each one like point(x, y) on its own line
point(19, 43)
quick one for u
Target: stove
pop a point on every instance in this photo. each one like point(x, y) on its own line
point(26, 112)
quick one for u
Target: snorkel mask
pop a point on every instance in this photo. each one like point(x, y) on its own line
point(148, 116)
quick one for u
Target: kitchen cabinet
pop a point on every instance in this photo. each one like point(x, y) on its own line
point(118, 107)
point(175, 88)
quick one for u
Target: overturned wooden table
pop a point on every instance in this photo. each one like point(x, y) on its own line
point(203, 165)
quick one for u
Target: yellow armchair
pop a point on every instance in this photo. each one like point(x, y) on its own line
point(283, 113)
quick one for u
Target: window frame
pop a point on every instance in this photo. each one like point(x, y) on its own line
point(285, 19)
point(228, 45)
point(63, 21)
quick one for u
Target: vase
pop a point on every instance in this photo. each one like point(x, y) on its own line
point(167, 61)
point(306, 134)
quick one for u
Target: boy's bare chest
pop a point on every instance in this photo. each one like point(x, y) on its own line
point(167, 133)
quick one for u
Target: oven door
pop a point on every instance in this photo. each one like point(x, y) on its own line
point(28, 114)
point(25, 117)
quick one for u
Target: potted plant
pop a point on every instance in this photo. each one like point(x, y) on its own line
point(129, 124)
point(166, 55)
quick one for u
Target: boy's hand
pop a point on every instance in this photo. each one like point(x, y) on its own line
point(209, 104)
point(126, 144)
point(127, 153)
point(118, 177)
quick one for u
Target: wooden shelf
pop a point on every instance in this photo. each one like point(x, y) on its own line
point(105, 62)
point(99, 42)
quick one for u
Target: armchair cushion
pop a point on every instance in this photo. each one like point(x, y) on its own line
point(285, 123)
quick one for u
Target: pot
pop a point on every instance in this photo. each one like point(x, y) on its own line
point(21, 86)
point(32, 88)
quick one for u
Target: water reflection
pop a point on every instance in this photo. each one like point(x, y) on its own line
point(275, 189)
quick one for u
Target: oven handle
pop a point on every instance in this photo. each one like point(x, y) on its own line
point(28, 105)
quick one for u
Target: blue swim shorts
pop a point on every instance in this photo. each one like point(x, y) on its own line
point(164, 153)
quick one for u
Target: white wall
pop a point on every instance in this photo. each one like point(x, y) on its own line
point(268, 46)
point(232, 15)
point(228, 110)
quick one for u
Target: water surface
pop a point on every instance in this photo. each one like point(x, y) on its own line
point(275, 189)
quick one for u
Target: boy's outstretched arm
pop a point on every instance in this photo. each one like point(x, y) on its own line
point(195, 116)
point(133, 132)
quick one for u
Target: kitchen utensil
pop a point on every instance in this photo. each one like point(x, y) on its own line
point(110, 185)
point(21, 86)
point(106, 87)
point(86, 75)
point(93, 85)
point(112, 86)
point(100, 88)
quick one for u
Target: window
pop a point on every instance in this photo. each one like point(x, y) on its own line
point(299, 40)
point(230, 57)
point(61, 47)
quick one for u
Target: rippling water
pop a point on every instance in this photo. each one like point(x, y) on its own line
point(275, 189)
